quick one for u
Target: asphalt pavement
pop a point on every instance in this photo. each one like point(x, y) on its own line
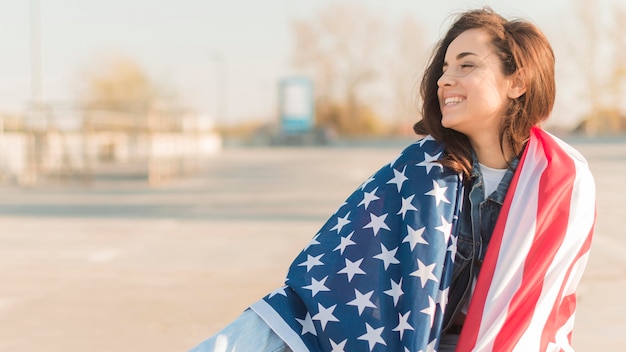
point(116, 265)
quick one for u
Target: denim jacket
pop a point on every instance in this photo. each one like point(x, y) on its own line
point(477, 220)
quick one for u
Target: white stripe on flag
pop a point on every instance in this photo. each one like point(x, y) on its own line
point(562, 336)
point(279, 326)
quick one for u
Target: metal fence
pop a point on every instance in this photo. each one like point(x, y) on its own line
point(77, 145)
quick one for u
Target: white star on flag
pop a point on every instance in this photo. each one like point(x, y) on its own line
point(366, 182)
point(442, 298)
point(430, 347)
point(430, 310)
point(403, 323)
point(414, 236)
point(325, 315)
point(425, 273)
point(311, 261)
point(351, 269)
point(387, 256)
point(316, 286)
point(369, 197)
point(345, 242)
point(279, 291)
point(395, 291)
point(439, 193)
point(338, 347)
point(406, 206)
point(362, 301)
point(373, 336)
point(313, 242)
point(430, 162)
point(452, 247)
point(307, 325)
point(398, 178)
point(376, 223)
point(445, 228)
point(425, 139)
point(341, 222)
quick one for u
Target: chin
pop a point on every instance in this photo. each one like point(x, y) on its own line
point(452, 125)
point(447, 122)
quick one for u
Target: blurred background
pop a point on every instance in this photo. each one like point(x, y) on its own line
point(83, 82)
point(162, 162)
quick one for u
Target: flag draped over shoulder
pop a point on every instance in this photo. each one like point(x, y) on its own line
point(525, 296)
point(376, 276)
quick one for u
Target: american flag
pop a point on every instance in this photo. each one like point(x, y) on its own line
point(525, 297)
point(376, 276)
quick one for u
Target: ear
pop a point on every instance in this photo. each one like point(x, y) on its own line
point(517, 84)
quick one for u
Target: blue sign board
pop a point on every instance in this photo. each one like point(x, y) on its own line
point(297, 107)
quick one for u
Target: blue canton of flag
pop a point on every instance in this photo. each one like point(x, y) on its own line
point(376, 276)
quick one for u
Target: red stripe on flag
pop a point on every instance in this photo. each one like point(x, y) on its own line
point(555, 193)
point(562, 312)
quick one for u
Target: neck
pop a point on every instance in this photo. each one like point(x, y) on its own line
point(489, 153)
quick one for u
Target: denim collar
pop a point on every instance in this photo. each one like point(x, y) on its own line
point(500, 192)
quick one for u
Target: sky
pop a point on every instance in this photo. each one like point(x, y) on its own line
point(202, 49)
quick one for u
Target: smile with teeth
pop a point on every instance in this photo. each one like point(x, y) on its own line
point(453, 100)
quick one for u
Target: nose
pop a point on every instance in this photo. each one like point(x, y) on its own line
point(445, 80)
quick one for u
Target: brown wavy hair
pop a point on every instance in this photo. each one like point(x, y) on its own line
point(520, 45)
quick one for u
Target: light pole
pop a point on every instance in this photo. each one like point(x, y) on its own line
point(35, 54)
point(35, 111)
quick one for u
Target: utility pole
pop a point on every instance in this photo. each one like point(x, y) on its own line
point(35, 53)
point(221, 95)
point(35, 112)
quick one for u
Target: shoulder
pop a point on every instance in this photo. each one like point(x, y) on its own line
point(557, 160)
point(554, 147)
point(426, 149)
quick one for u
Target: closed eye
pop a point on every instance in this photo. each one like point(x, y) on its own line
point(465, 65)
point(459, 71)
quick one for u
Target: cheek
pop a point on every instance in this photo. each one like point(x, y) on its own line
point(491, 97)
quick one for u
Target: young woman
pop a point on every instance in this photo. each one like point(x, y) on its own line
point(473, 239)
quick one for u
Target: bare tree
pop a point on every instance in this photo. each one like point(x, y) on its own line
point(601, 59)
point(618, 75)
point(406, 65)
point(342, 48)
point(117, 84)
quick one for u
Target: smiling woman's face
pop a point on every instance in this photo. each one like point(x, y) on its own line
point(473, 91)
